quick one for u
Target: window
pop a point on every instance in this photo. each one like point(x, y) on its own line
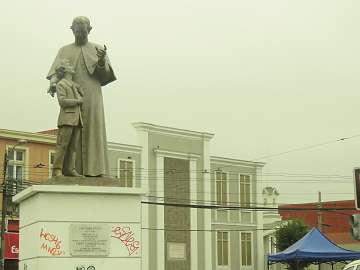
point(223, 248)
point(51, 162)
point(272, 244)
point(16, 165)
point(15, 171)
point(246, 254)
point(221, 187)
point(126, 169)
point(245, 190)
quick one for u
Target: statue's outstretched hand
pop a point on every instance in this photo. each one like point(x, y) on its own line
point(101, 53)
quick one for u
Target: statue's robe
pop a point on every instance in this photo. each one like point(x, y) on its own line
point(92, 159)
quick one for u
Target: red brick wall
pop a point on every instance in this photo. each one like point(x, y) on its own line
point(336, 224)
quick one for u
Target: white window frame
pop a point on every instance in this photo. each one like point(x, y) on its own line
point(25, 162)
point(227, 187)
point(118, 169)
point(51, 166)
point(227, 196)
point(223, 267)
point(247, 267)
point(251, 197)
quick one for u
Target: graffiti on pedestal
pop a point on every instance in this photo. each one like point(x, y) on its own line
point(50, 243)
point(127, 238)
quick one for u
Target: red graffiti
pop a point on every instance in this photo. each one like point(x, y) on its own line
point(126, 236)
point(51, 243)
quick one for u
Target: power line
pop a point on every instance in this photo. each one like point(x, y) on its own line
point(307, 147)
point(138, 171)
point(233, 207)
point(342, 139)
point(204, 230)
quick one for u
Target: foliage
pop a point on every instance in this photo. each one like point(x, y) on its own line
point(290, 232)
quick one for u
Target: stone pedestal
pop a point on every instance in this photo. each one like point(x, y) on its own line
point(81, 226)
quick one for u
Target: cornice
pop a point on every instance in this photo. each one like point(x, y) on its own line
point(141, 126)
point(235, 162)
point(29, 136)
point(182, 155)
point(124, 147)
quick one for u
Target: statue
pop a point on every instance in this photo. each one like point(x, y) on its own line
point(92, 70)
point(69, 96)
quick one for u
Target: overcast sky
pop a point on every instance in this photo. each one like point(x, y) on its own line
point(265, 76)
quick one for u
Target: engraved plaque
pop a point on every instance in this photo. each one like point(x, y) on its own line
point(176, 251)
point(89, 239)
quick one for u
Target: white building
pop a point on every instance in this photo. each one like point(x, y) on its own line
point(182, 227)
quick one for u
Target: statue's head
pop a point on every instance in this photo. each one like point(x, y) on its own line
point(81, 28)
point(64, 67)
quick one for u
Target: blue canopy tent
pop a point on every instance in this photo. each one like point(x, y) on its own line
point(314, 247)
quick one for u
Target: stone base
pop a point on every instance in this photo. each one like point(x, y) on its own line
point(80, 224)
point(83, 181)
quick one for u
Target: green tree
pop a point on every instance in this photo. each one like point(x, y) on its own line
point(289, 233)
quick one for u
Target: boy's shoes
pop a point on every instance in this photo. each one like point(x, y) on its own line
point(57, 172)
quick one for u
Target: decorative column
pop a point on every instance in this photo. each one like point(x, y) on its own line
point(207, 198)
point(259, 223)
point(143, 138)
point(160, 233)
point(194, 215)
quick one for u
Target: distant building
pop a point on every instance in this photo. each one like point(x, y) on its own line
point(29, 161)
point(334, 225)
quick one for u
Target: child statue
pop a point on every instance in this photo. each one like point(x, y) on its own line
point(70, 98)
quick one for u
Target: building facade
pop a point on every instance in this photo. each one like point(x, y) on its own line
point(198, 210)
point(26, 159)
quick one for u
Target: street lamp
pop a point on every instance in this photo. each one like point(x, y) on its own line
point(4, 201)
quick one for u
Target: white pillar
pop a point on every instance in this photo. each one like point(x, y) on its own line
point(207, 197)
point(143, 138)
point(259, 223)
point(160, 233)
point(194, 215)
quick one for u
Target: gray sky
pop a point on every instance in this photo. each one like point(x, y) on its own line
point(264, 76)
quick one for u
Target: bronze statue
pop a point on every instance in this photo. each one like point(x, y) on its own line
point(92, 70)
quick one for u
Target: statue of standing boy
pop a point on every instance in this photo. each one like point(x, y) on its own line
point(69, 95)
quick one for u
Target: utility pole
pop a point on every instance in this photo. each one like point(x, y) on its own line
point(319, 219)
point(3, 211)
point(319, 213)
point(4, 201)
